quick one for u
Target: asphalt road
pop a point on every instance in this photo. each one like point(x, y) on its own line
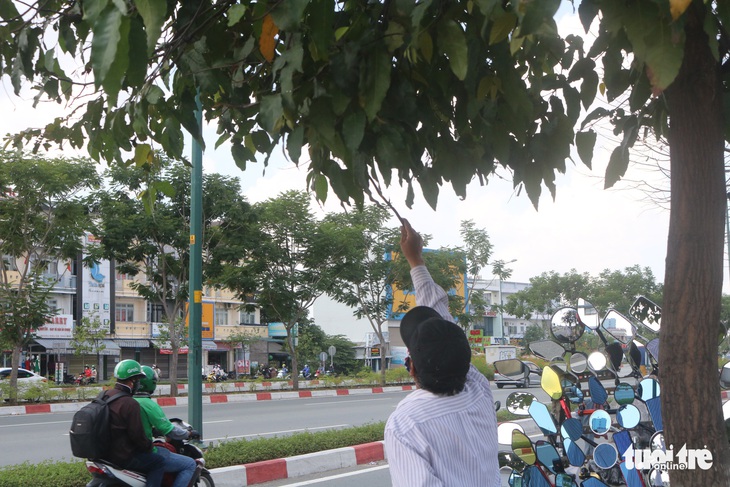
point(38, 437)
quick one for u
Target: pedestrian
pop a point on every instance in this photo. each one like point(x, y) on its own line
point(445, 432)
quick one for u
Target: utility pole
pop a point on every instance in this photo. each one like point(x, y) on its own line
point(195, 285)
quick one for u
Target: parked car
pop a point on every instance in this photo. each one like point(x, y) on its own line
point(25, 377)
point(528, 376)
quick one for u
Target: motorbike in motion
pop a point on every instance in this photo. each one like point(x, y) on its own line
point(105, 473)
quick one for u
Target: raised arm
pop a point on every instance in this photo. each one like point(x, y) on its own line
point(428, 293)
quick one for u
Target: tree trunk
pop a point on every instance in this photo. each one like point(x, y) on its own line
point(383, 354)
point(690, 395)
point(173, 372)
point(294, 362)
point(14, 376)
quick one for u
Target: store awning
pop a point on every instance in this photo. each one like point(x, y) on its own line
point(58, 345)
point(132, 343)
point(55, 345)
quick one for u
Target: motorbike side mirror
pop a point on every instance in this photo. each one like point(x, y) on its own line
point(618, 326)
point(628, 416)
point(599, 395)
point(588, 314)
point(546, 349)
point(550, 382)
point(548, 456)
point(504, 432)
point(578, 362)
point(648, 389)
point(615, 356)
point(725, 376)
point(597, 361)
point(624, 394)
point(522, 447)
point(647, 313)
point(599, 421)
point(543, 419)
point(518, 403)
point(510, 367)
point(605, 456)
point(565, 325)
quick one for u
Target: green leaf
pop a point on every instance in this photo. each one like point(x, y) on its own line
point(502, 27)
point(585, 142)
point(617, 165)
point(153, 13)
point(271, 112)
point(113, 81)
point(588, 89)
point(8, 11)
point(289, 15)
point(294, 143)
point(164, 187)
point(353, 129)
point(235, 14)
point(320, 187)
point(154, 95)
point(452, 42)
point(321, 19)
point(599, 112)
point(536, 15)
point(587, 11)
point(137, 61)
point(141, 154)
point(241, 155)
point(93, 9)
point(105, 43)
point(374, 81)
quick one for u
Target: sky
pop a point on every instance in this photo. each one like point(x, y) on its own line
point(586, 227)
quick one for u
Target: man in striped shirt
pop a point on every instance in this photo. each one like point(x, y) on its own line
point(445, 432)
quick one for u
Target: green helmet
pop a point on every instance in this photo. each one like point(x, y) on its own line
point(128, 369)
point(148, 383)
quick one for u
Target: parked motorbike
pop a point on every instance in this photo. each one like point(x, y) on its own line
point(107, 474)
point(587, 437)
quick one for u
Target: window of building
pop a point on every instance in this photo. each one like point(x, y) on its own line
point(247, 317)
point(9, 263)
point(124, 312)
point(155, 313)
point(221, 315)
point(487, 326)
point(53, 306)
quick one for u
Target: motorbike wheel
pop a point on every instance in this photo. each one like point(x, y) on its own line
point(205, 480)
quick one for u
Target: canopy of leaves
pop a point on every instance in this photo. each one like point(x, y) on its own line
point(610, 289)
point(432, 91)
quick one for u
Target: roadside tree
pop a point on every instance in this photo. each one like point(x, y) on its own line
point(144, 226)
point(43, 217)
point(429, 91)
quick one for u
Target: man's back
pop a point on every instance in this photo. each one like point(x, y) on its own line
point(445, 440)
point(128, 436)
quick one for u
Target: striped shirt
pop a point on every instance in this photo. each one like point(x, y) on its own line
point(444, 441)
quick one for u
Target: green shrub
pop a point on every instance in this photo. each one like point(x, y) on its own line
point(46, 474)
point(247, 451)
point(398, 376)
point(480, 362)
point(367, 377)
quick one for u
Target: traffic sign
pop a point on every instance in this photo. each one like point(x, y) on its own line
point(332, 350)
point(322, 356)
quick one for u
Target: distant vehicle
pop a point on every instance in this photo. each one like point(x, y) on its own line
point(531, 375)
point(26, 378)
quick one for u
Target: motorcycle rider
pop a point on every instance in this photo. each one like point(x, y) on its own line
point(156, 423)
point(130, 448)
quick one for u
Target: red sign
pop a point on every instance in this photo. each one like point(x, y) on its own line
point(180, 351)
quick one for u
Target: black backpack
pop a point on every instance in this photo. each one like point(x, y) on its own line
point(90, 430)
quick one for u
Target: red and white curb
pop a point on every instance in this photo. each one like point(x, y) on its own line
point(286, 468)
point(208, 399)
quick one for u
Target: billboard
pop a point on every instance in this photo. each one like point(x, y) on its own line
point(207, 330)
point(96, 287)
